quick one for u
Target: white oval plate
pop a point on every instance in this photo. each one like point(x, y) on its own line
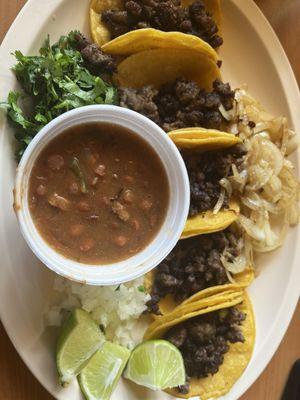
point(252, 54)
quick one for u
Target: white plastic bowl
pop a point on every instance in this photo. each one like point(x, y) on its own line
point(175, 219)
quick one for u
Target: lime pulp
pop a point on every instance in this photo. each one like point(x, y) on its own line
point(100, 376)
point(80, 338)
point(156, 364)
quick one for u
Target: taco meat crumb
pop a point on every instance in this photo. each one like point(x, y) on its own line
point(96, 61)
point(165, 15)
point(193, 265)
point(204, 340)
point(141, 101)
point(184, 389)
point(180, 104)
point(205, 171)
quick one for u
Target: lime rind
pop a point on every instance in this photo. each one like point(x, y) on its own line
point(101, 375)
point(157, 365)
point(81, 337)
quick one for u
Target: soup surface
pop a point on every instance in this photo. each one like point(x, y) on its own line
point(98, 193)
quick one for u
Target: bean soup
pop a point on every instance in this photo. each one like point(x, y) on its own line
point(98, 193)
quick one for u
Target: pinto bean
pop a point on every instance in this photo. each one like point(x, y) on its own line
point(136, 224)
point(74, 188)
point(115, 225)
point(55, 162)
point(128, 196)
point(76, 230)
point(129, 179)
point(120, 240)
point(104, 201)
point(87, 245)
point(83, 206)
point(41, 190)
point(100, 170)
point(153, 220)
point(146, 205)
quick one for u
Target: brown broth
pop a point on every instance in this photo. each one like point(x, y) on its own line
point(122, 205)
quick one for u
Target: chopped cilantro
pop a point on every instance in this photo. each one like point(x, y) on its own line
point(142, 289)
point(56, 81)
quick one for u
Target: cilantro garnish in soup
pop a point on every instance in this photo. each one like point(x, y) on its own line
point(98, 193)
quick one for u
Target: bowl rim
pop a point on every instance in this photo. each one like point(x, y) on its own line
point(171, 229)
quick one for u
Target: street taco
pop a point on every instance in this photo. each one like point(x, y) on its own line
point(111, 19)
point(208, 300)
point(209, 156)
point(216, 340)
point(165, 85)
point(177, 89)
point(199, 267)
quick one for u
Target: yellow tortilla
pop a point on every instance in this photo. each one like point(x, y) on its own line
point(203, 139)
point(208, 222)
point(160, 66)
point(245, 278)
point(149, 39)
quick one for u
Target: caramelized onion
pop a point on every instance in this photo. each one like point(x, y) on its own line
point(269, 190)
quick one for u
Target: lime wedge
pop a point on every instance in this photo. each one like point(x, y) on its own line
point(156, 364)
point(101, 375)
point(80, 338)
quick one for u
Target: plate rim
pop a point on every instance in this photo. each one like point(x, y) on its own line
point(288, 81)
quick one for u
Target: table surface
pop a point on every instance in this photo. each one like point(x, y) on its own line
point(17, 383)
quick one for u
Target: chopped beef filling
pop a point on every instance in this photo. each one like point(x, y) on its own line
point(205, 172)
point(96, 61)
point(204, 340)
point(166, 15)
point(180, 104)
point(193, 265)
point(141, 101)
